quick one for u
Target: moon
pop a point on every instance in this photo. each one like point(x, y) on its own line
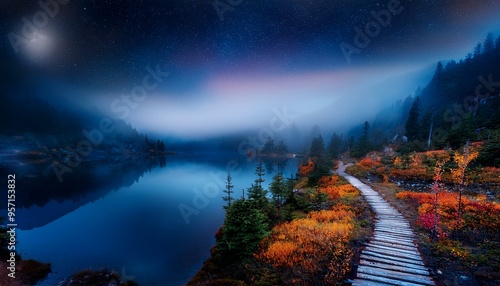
point(39, 47)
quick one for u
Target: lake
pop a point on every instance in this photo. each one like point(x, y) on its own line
point(126, 217)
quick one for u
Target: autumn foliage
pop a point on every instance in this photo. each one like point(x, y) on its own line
point(314, 249)
point(332, 186)
point(306, 170)
point(479, 215)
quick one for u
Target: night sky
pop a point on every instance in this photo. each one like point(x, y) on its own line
point(227, 70)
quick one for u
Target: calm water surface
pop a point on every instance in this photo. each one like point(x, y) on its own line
point(130, 221)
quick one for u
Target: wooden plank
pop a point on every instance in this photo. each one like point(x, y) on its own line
point(391, 262)
point(393, 253)
point(361, 282)
point(393, 245)
point(368, 277)
point(414, 278)
point(394, 267)
point(392, 223)
point(388, 257)
point(393, 239)
point(392, 232)
point(399, 250)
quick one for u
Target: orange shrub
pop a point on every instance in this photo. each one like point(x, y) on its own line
point(411, 173)
point(489, 175)
point(368, 163)
point(331, 191)
point(342, 191)
point(322, 237)
point(339, 213)
point(420, 198)
point(306, 170)
point(326, 181)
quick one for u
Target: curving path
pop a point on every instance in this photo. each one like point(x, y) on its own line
point(391, 257)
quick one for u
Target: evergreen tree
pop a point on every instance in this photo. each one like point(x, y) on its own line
point(488, 44)
point(243, 229)
point(363, 146)
point(334, 147)
point(462, 132)
point(317, 147)
point(412, 126)
point(438, 74)
point(278, 189)
point(228, 190)
point(256, 193)
point(160, 146)
point(269, 147)
point(259, 171)
point(350, 143)
point(490, 153)
point(320, 158)
point(477, 50)
point(497, 43)
point(450, 65)
point(468, 58)
point(425, 126)
point(281, 148)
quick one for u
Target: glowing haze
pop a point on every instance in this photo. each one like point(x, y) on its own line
point(227, 76)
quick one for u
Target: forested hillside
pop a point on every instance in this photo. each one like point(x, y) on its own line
point(460, 103)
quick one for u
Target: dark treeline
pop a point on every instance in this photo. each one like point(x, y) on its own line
point(50, 129)
point(460, 103)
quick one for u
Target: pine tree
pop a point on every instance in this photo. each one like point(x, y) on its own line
point(317, 147)
point(228, 190)
point(243, 230)
point(425, 126)
point(158, 145)
point(281, 148)
point(477, 50)
point(259, 171)
point(258, 196)
point(269, 147)
point(256, 193)
point(438, 73)
point(488, 44)
point(334, 147)
point(363, 145)
point(412, 126)
point(278, 189)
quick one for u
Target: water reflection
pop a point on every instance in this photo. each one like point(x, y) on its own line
point(41, 198)
point(138, 227)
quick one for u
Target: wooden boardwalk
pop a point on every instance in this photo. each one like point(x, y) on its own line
point(391, 257)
